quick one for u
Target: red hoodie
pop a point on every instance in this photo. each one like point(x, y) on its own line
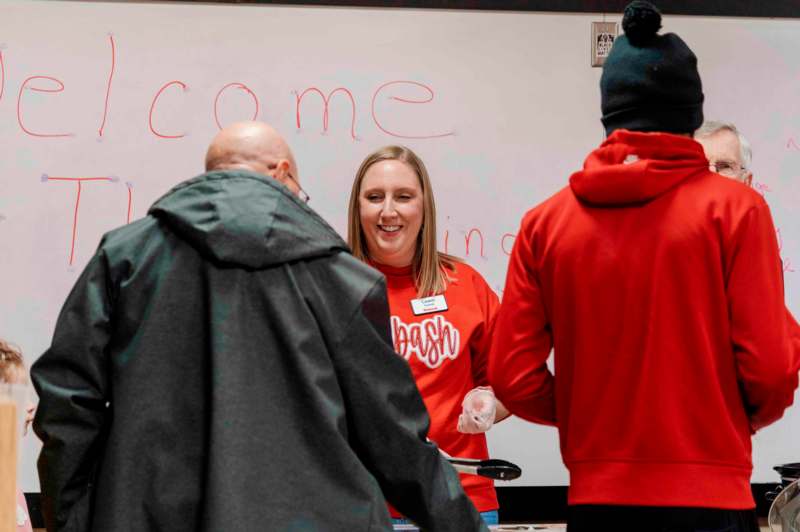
point(658, 284)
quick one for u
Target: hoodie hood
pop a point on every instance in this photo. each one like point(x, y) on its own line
point(246, 219)
point(633, 167)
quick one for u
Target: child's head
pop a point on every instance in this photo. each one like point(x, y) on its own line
point(12, 367)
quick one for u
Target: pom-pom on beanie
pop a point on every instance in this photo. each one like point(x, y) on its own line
point(650, 81)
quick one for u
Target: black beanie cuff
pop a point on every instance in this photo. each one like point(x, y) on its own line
point(669, 119)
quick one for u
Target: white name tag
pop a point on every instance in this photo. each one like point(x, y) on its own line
point(426, 305)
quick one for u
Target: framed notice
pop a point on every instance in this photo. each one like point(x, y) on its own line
point(603, 35)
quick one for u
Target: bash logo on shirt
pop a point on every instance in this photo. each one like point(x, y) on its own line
point(432, 340)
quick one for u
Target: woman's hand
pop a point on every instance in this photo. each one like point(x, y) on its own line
point(480, 408)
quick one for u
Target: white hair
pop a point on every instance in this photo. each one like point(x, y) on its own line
point(711, 127)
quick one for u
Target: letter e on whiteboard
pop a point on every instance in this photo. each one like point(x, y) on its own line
point(603, 35)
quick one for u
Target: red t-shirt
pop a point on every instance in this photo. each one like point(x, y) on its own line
point(448, 353)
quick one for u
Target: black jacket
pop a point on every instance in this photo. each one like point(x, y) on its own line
point(226, 364)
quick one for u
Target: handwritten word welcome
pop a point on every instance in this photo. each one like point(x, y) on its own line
point(166, 94)
point(169, 93)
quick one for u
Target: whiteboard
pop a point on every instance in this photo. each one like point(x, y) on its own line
point(121, 100)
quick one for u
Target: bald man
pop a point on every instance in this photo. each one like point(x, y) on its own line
point(225, 364)
point(257, 147)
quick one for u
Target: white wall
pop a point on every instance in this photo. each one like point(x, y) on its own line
point(515, 110)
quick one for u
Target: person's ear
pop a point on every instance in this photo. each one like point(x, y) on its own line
point(282, 170)
point(748, 179)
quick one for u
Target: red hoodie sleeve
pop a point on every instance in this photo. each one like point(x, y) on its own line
point(764, 335)
point(522, 341)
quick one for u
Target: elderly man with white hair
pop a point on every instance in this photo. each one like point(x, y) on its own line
point(727, 150)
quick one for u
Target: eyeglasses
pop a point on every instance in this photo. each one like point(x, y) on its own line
point(726, 168)
point(302, 194)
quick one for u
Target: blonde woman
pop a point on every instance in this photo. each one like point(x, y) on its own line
point(442, 309)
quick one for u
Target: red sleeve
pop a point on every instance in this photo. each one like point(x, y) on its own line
point(481, 340)
point(763, 333)
point(794, 334)
point(522, 341)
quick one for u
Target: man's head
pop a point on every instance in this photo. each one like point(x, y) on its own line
point(257, 147)
point(728, 151)
point(650, 82)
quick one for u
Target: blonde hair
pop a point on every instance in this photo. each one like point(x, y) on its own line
point(10, 362)
point(429, 267)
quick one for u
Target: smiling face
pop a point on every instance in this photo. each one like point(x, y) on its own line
point(391, 212)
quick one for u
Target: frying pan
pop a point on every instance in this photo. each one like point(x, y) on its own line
point(789, 473)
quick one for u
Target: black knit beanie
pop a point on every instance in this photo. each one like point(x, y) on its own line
point(650, 82)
